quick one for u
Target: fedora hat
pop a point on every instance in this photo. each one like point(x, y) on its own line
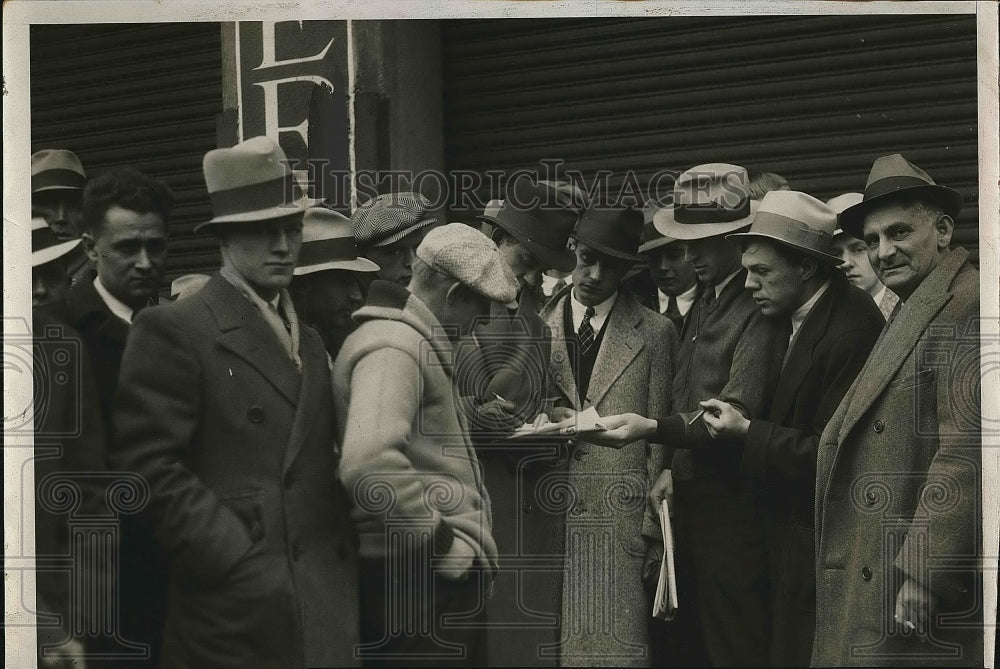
point(251, 182)
point(56, 169)
point(894, 176)
point(842, 202)
point(795, 220)
point(708, 200)
point(535, 215)
point(389, 217)
point(45, 246)
point(612, 231)
point(651, 238)
point(328, 243)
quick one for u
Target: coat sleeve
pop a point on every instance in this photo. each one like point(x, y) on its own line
point(383, 409)
point(663, 358)
point(157, 413)
point(780, 453)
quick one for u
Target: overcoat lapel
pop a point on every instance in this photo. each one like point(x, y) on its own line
point(314, 364)
point(900, 337)
point(86, 303)
point(619, 347)
point(244, 332)
point(560, 370)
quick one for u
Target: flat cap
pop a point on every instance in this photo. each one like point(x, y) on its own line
point(389, 217)
point(471, 258)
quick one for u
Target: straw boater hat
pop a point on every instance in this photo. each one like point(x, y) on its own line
point(795, 220)
point(709, 200)
point(533, 214)
point(328, 243)
point(251, 182)
point(612, 231)
point(471, 258)
point(891, 177)
point(45, 246)
point(56, 169)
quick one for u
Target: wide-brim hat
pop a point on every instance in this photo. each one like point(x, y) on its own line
point(251, 181)
point(795, 220)
point(651, 238)
point(56, 169)
point(387, 218)
point(536, 215)
point(613, 231)
point(892, 177)
point(470, 258)
point(708, 200)
point(45, 246)
point(328, 243)
point(842, 202)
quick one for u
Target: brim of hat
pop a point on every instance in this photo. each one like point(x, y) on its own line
point(51, 253)
point(55, 187)
point(852, 219)
point(819, 255)
point(655, 244)
point(356, 265)
point(607, 250)
point(564, 261)
point(669, 227)
point(268, 214)
point(396, 236)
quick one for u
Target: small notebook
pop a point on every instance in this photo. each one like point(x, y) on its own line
point(586, 421)
point(665, 602)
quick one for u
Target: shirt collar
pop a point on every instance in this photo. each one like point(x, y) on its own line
point(116, 306)
point(601, 311)
point(235, 278)
point(799, 316)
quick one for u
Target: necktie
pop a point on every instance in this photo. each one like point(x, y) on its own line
point(586, 332)
point(673, 312)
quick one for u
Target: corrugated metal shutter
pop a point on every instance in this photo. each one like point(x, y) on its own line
point(144, 95)
point(815, 99)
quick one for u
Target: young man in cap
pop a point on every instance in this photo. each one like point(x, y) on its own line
point(224, 409)
point(613, 354)
point(503, 381)
point(420, 502)
point(388, 228)
point(676, 281)
point(730, 351)
point(326, 288)
point(832, 327)
point(853, 253)
point(57, 183)
point(898, 512)
point(125, 218)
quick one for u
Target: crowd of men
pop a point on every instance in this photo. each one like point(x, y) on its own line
point(340, 450)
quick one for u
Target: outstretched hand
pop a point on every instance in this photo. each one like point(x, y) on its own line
point(619, 431)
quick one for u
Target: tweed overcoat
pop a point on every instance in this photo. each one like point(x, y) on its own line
point(898, 484)
point(780, 453)
point(238, 448)
point(605, 610)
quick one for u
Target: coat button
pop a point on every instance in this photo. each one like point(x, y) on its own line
point(255, 415)
point(879, 426)
point(870, 498)
point(527, 506)
point(866, 573)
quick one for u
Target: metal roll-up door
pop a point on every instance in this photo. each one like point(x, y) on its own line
point(143, 95)
point(813, 98)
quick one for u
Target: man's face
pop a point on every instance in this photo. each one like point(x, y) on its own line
point(264, 253)
point(49, 283)
point(713, 258)
point(129, 250)
point(597, 276)
point(856, 265)
point(327, 299)
point(395, 261)
point(61, 209)
point(905, 246)
point(673, 274)
point(775, 283)
point(527, 268)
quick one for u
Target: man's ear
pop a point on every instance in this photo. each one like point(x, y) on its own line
point(944, 226)
point(453, 293)
point(809, 268)
point(89, 245)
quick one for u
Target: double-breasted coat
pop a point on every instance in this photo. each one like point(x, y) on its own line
point(238, 448)
point(780, 453)
point(898, 485)
point(605, 610)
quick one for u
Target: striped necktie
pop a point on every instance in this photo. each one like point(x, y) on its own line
point(586, 332)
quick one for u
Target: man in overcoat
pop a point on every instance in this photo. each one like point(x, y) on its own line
point(832, 326)
point(898, 512)
point(611, 353)
point(225, 409)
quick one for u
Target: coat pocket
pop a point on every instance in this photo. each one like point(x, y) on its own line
point(247, 504)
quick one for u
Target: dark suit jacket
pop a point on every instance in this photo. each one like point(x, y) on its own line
point(238, 449)
point(829, 351)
